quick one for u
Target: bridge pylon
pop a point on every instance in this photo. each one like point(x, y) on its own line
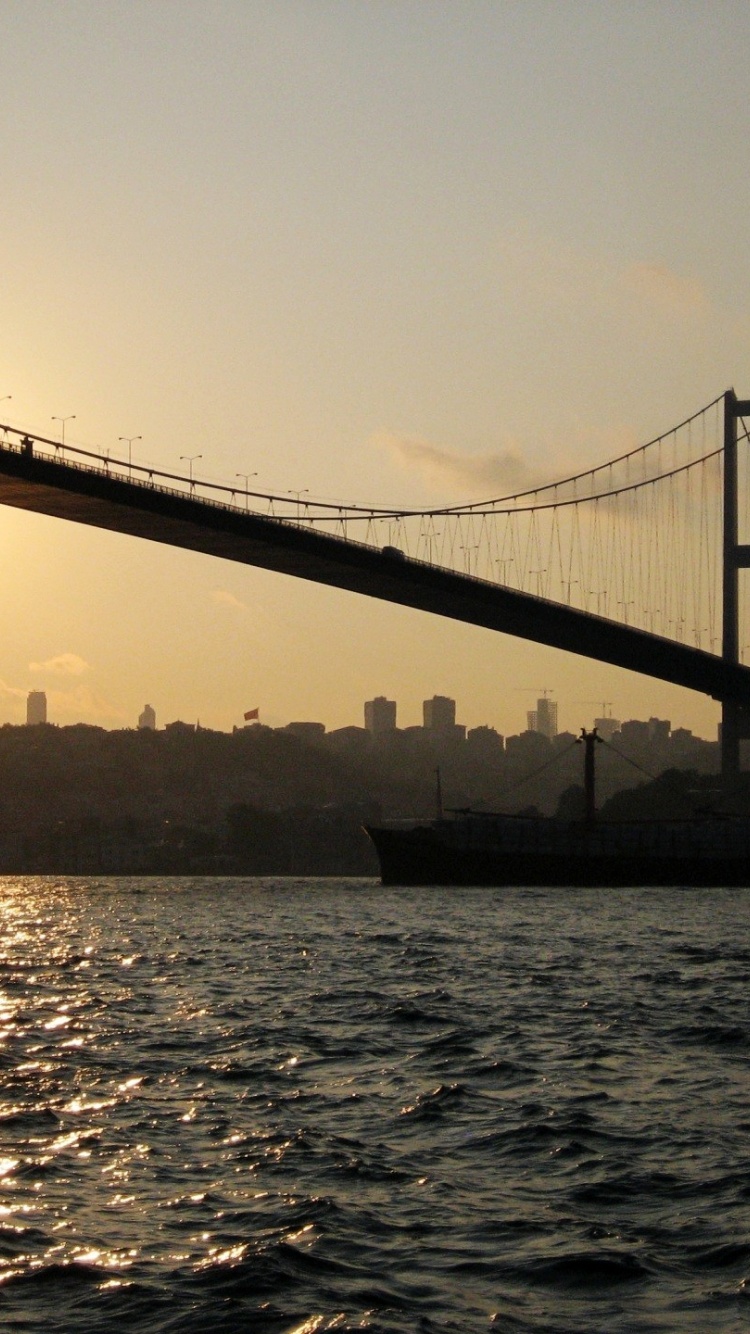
point(735, 716)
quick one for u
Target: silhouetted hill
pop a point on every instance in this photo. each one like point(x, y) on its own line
point(83, 799)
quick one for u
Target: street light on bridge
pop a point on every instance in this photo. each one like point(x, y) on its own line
point(303, 492)
point(190, 458)
point(62, 420)
point(128, 440)
point(467, 550)
point(539, 574)
point(246, 478)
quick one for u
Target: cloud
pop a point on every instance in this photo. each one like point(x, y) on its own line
point(81, 705)
point(578, 281)
point(65, 664)
point(11, 692)
point(502, 473)
point(224, 598)
point(485, 477)
point(668, 291)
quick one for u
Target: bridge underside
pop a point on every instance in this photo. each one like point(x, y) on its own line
point(89, 496)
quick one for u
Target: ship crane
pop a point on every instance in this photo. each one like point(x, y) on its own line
point(589, 740)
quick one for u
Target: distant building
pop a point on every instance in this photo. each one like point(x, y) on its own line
point(147, 719)
point(528, 746)
point(413, 736)
point(355, 739)
point(380, 715)
point(439, 721)
point(635, 732)
point(36, 708)
point(306, 731)
point(484, 742)
point(682, 736)
point(543, 718)
point(659, 730)
point(606, 727)
point(439, 715)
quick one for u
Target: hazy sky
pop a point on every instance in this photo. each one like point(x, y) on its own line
point(282, 233)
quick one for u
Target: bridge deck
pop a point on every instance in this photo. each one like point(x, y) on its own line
point(99, 499)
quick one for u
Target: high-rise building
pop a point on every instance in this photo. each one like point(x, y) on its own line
point(543, 718)
point(36, 708)
point(658, 731)
point(634, 732)
point(147, 719)
point(439, 714)
point(380, 715)
point(606, 727)
point(546, 713)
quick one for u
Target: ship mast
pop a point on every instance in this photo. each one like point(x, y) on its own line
point(589, 740)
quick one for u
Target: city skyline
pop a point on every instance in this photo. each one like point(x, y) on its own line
point(380, 717)
point(399, 255)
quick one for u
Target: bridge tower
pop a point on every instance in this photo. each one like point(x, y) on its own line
point(735, 718)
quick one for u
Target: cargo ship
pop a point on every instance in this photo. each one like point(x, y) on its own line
point(476, 848)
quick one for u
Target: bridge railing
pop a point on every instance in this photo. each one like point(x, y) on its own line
point(145, 474)
point(637, 540)
point(191, 489)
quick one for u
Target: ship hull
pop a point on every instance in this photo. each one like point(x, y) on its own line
point(421, 857)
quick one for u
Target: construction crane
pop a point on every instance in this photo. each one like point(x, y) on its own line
point(604, 704)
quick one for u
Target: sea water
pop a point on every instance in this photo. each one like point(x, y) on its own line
point(276, 1106)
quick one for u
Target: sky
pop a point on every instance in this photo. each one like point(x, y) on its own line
point(298, 237)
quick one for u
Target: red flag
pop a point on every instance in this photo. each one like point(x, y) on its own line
point(252, 713)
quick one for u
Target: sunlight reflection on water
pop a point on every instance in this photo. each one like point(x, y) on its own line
point(320, 1105)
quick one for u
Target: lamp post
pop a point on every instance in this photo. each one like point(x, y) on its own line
point(303, 492)
point(431, 536)
point(246, 478)
point(467, 550)
point(539, 574)
point(128, 440)
point(190, 458)
point(62, 420)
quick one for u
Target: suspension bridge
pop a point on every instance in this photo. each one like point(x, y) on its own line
point(634, 562)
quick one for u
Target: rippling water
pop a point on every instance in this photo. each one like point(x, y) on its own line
point(323, 1105)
